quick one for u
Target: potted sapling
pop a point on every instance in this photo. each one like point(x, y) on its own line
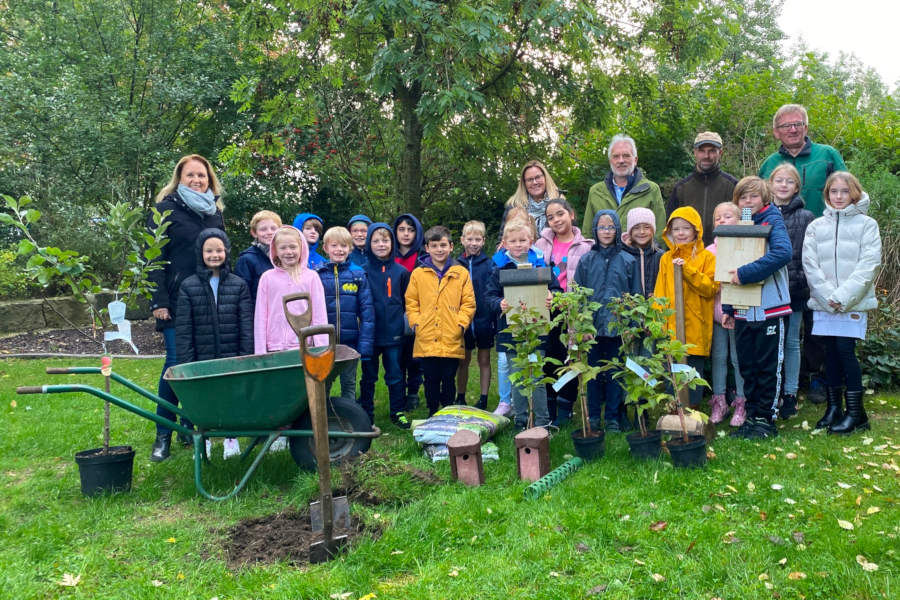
point(527, 326)
point(135, 251)
point(576, 315)
point(641, 323)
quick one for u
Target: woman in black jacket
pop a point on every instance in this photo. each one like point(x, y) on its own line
point(192, 199)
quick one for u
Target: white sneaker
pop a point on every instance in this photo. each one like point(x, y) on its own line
point(279, 445)
point(503, 409)
point(208, 448)
point(231, 447)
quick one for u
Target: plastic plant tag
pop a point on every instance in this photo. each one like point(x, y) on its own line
point(532, 357)
point(116, 310)
point(123, 333)
point(569, 376)
point(681, 368)
point(640, 371)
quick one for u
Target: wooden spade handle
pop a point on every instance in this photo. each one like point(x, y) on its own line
point(297, 321)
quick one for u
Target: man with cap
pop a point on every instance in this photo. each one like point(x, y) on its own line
point(707, 186)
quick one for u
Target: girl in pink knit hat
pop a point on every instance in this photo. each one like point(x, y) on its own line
point(640, 241)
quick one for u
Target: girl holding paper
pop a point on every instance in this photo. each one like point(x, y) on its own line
point(841, 257)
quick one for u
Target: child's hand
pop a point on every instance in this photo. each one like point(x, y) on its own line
point(835, 305)
point(549, 298)
point(504, 305)
point(734, 277)
point(727, 321)
point(678, 261)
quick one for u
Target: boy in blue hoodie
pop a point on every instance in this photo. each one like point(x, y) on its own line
point(349, 305)
point(481, 332)
point(518, 236)
point(760, 330)
point(359, 228)
point(387, 284)
point(610, 271)
point(410, 237)
point(311, 226)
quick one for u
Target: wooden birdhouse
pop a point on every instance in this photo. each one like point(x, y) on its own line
point(737, 245)
point(526, 285)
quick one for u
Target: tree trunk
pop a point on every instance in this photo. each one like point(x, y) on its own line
point(411, 165)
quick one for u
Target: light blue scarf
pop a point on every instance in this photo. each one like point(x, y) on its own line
point(202, 204)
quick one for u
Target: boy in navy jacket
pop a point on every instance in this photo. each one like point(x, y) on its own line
point(387, 284)
point(349, 305)
point(760, 330)
point(480, 333)
point(254, 261)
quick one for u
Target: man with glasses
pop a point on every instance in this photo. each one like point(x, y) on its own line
point(707, 186)
point(624, 187)
point(815, 162)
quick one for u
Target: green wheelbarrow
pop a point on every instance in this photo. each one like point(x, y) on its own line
point(259, 396)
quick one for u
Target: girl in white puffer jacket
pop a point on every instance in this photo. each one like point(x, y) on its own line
point(841, 257)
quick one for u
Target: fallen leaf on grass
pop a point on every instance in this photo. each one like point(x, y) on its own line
point(790, 501)
point(732, 488)
point(798, 537)
point(638, 561)
point(776, 540)
point(69, 580)
point(782, 562)
point(453, 573)
point(597, 589)
point(859, 500)
point(729, 538)
point(396, 552)
point(13, 404)
point(553, 574)
point(844, 486)
point(790, 456)
point(171, 540)
point(180, 576)
point(777, 486)
point(657, 578)
point(340, 596)
point(867, 441)
point(658, 526)
point(872, 510)
point(582, 547)
point(763, 516)
point(158, 583)
point(796, 575)
point(845, 524)
point(750, 486)
point(865, 564)
point(805, 425)
point(368, 596)
point(763, 577)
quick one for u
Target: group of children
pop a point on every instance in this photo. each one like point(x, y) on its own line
point(397, 292)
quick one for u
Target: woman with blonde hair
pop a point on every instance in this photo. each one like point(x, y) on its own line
point(193, 199)
point(535, 190)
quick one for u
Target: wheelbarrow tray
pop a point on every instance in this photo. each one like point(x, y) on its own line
point(261, 391)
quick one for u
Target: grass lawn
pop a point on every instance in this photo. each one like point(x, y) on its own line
point(789, 518)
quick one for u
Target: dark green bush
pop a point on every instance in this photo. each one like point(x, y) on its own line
point(879, 353)
point(14, 285)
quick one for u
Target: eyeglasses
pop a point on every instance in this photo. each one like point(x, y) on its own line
point(794, 125)
point(606, 227)
point(534, 179)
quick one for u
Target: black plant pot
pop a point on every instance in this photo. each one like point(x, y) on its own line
point(105, 472)
point(688, 454)
point(645, 447)
point(591, 447)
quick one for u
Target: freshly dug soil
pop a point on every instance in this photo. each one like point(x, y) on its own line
point(283, 536)
point(73, 341)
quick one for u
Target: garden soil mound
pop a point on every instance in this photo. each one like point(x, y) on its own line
point(284, 536)
point(84, 341)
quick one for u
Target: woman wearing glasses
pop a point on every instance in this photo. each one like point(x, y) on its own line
point(536, 189)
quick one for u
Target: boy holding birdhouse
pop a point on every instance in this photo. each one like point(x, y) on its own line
point(760, 330)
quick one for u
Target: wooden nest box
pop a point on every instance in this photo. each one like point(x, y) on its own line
point(737, 245)
point(526, 285)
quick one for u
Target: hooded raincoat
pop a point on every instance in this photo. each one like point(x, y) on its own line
point(439, 306)
point(388, 281)
point(315, 259)
point(410, 258)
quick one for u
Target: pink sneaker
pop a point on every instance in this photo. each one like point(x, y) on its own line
point(719, 408)
point(740, 412)
point(503, 409)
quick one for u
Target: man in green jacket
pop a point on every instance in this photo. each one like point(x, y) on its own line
point(815, 162)
point(624, 187)
point(707, 186)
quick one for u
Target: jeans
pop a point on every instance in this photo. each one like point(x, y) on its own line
point(520, 401)
point(792, 353)
point(348, 381)
point(390, 358)
point(164, 391)
point(723, 346)
point(504, 388)
point(440, 381)
point(603, 389)
point(841, 364)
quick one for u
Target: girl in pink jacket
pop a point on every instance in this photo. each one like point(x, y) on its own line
point(271, 330)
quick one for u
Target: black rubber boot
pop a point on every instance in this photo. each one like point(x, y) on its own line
point(160, 451)
point(482, 402)
point(855, 419)
point(185, 440)
point(833, 414)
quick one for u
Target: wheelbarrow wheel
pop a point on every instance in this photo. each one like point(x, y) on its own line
point(343, 415)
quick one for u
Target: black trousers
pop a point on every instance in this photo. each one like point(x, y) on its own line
point(440, 381)
point(760, 349)
point(841, 365)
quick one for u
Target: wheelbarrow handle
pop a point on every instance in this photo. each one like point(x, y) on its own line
point(30, 389)
point(297, 321)
point(58, 371)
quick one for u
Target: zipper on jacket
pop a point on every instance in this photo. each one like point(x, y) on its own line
point(388, 281)
point(837, 222)
point(337, 306)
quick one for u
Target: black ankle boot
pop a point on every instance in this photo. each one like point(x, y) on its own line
point(855, 419)
point(833, 413)
point(160, 451)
